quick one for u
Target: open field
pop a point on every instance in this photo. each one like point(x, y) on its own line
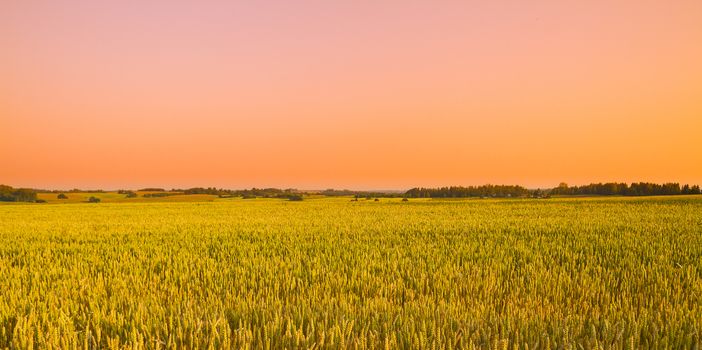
point(114, 197)
point(608, 273)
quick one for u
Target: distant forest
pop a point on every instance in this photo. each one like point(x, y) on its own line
point(470, 191)
point(10, 194)
point(622, 189)
point(599, 189)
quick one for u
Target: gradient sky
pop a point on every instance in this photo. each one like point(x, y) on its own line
point(349, 94)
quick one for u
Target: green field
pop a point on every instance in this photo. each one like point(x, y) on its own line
point(607, 273)
point(114, 197)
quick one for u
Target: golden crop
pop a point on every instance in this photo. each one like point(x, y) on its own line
point(331, 273)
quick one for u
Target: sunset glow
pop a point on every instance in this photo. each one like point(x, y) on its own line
point(349, 94)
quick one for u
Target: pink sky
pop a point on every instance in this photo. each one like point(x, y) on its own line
point(349, 94)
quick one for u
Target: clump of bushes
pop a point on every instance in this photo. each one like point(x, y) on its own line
point(129, 193)
point(405, 199)
point(62, 196)
point(295, 198)
point(93, 200)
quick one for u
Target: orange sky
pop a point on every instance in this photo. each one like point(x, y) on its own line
point(349, 94)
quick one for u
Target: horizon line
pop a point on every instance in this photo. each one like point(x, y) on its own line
point(323, 188)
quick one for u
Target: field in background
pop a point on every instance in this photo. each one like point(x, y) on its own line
point(114, 197)
point(111, 197)
point(332, 273)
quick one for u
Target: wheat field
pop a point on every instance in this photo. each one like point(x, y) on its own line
point(597, 273)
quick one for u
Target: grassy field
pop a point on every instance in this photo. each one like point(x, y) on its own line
point(599, 273)
point(114, 197)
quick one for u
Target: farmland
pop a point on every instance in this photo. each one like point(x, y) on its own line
point(333, 273)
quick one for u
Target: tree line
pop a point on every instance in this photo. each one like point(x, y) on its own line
point(595, 189)
point(10, 194)
point(470, 191)
point(246, 193)
point(624, 189)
